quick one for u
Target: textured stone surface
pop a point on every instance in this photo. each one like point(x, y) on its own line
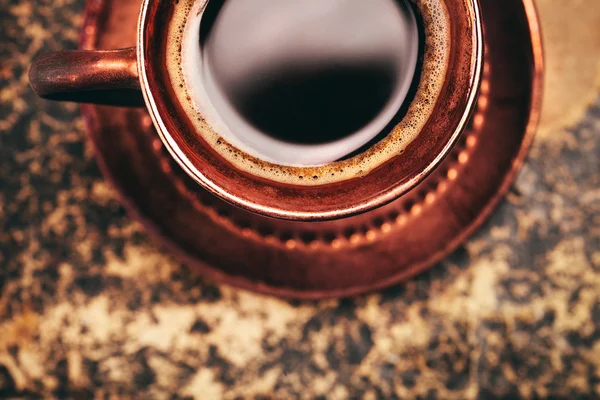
point(90, 307)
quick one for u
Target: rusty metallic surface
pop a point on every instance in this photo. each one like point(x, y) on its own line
point(317, 202)
point(87, 76)
point(343, 257)
point(92, 307)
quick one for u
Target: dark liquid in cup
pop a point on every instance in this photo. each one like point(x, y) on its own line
point(315, 105)
point(309, 71)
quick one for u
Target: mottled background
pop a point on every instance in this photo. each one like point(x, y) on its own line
point(90, 307)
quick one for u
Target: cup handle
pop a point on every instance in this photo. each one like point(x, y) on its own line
point(99, 76)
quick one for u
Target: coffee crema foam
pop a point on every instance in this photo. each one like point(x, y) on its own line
point(184, 32)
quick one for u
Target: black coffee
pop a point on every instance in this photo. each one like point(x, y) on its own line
point(297, 91)
point(315, 105)
point(307, 72)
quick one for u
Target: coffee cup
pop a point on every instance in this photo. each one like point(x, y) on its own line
point(295, 109)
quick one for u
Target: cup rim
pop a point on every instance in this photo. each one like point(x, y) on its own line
point(193, 164)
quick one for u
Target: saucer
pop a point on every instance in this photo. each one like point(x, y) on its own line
point(336, 258)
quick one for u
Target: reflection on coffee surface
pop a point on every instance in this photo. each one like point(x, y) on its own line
point(288, 89)
point(307, 71)
point(311, 105)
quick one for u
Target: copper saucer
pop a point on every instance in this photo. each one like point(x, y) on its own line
point(338, 258)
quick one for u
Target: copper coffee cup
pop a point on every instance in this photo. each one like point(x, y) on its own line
point(91, 76)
